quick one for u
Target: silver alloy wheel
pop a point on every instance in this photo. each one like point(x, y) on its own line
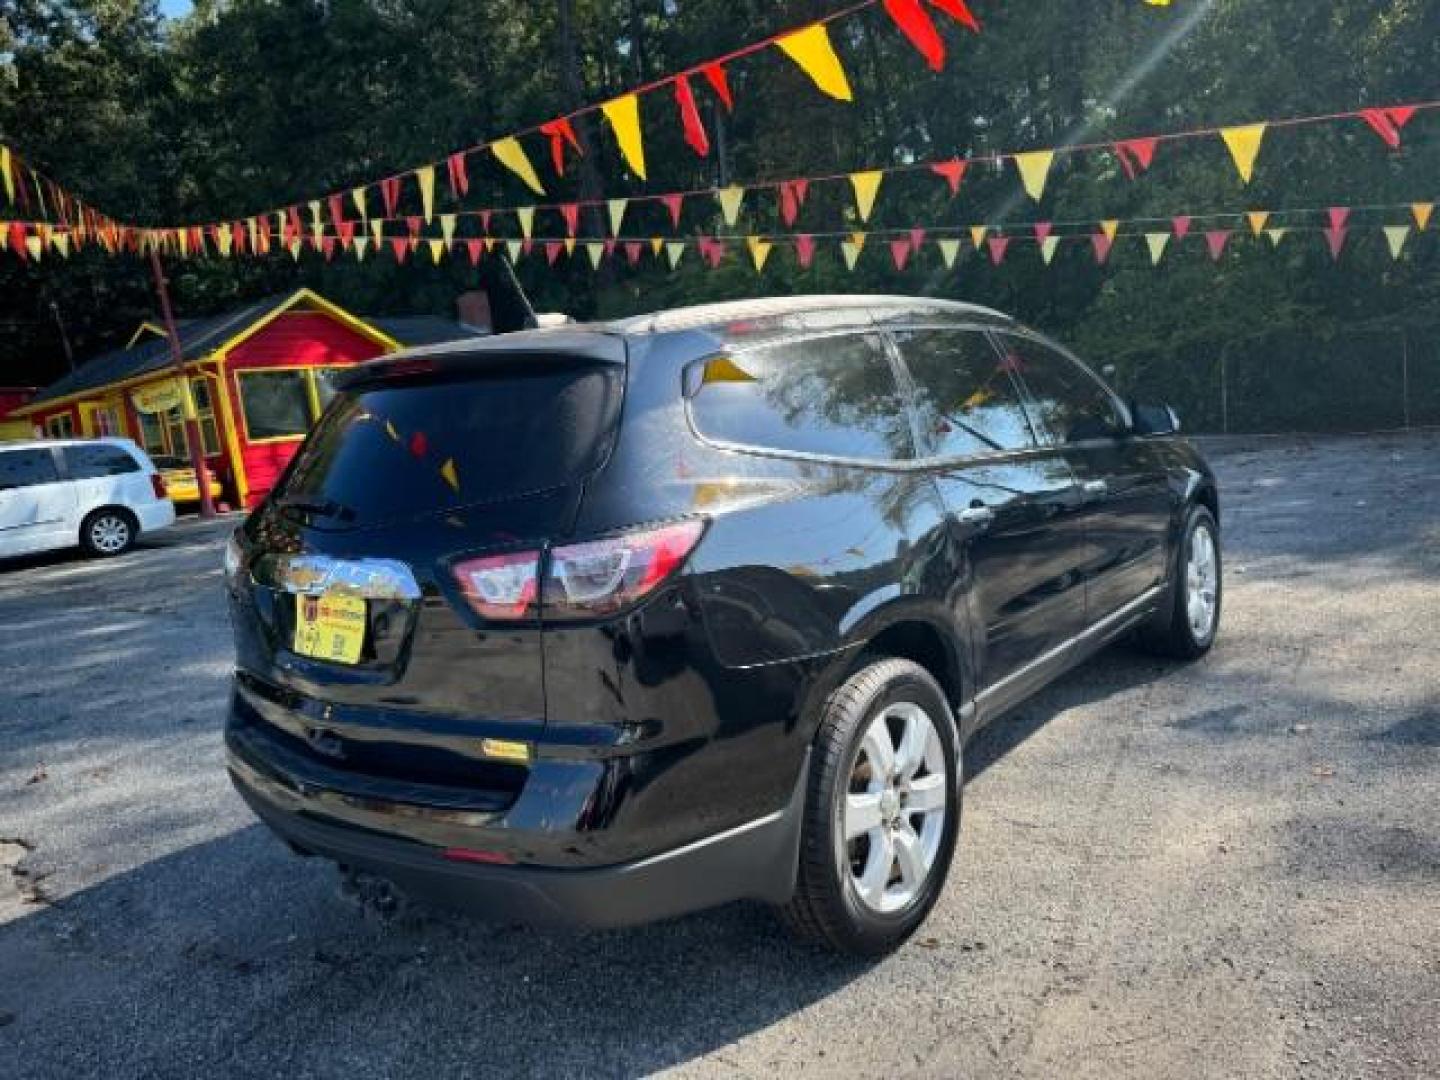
point(1202, 581)
point(109, 533)
point(893, 817)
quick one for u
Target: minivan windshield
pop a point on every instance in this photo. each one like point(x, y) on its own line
point(399, 449)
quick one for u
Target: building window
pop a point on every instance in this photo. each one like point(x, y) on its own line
point(152, 434)
point(61, 426)
point(283, 404)
point(175, 432)
point(205, 412)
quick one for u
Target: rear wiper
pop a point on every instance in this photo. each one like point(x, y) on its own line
point(327, 508)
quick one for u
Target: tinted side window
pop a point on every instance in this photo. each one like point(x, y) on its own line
point(966, 399)
point(25, 468)
point(88, 462)
point(835, 396)
point(1068, 401)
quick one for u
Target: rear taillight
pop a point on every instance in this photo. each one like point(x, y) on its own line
point(582, 581)
point(157, 482)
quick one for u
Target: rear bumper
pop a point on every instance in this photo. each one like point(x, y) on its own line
point(155, 515)
point(756, 860)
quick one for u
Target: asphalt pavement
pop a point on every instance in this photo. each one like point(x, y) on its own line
point(1222, 870)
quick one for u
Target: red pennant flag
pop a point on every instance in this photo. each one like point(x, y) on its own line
point(1387, 122)
point(560, 132)
point(690, 117)
point(1335, 237)
point(1135, 155)
point(1339, 217)
point(485, 220)
point(17, 240)
point(293, 228)
point(413, 224)
point(346, 229)
point(459, 176)
point(914, 22)
point(237, 236)
point(805, 250)
point(998, 246)
point(673, 203)
point(609, 247)
point(720, 83)
point(475, 248)
point(552, 250)
point(714, 250)
point(1215, 240)
point(953, 171)
point(917, 238)
point(1043, 229)
point(526, 246)
point(792, 197)
point(958, 11)
point(390, 192)
point(571, 213)
point(900, 252)
point(1181, 225)
point(327, 245)
point(1102, 245)
point(399, 247)
point(337, 210)
point(633, 248)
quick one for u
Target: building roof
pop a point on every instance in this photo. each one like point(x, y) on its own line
point(199, 337)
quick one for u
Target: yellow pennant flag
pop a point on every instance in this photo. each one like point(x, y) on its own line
point(511, 154)
point(295, 250)
point(252, 226)
point(811, 49)
point(1257, 219)
point(361, 245)
point(317, 231)
point(569, 245)
point(450, 474)
point(1047, 248)
point(515, 249)
point(759, 251)
point(624, 116)
point(616, 208)
point(657, 245)
point(358, 197)
point(1110, 227)
point(34, 247)
point(730, 200)
point(314, 205)
point(1034, 171)
point(61, 243)
point(6, 175)
point(490, 243)
point(223, 240)
point(377, 229)
point(949, 251)
point(674, 251)
point(425, 177)
point(1275, 236)
point(867, 186)
point(1395, 236)
point(1422, 212)
point(437, 249)
point(977, 236)
point(1244, 143)
point(852, 248)
point(1157, 242)
point(526, 216)
point(447, 228)
point(596, 250)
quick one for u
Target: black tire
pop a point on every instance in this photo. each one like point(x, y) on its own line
point(1169, 632)
point(827, 906)
point(108, 532)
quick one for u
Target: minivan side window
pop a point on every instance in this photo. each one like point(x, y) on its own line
point(90, 462)
point(829, 396)
point(1068, 401)
point(966, 399)
point(26, 468)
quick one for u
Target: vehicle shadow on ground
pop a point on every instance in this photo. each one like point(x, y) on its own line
point(232, 956)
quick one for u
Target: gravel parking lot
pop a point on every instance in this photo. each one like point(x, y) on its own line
point(1231, 869)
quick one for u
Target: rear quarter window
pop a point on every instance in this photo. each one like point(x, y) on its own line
point(91, 462)
point(828, 396)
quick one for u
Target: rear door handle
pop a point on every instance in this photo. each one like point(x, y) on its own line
point(1095, 489)
point(976, 517)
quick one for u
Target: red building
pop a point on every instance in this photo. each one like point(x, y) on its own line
point(259, 377)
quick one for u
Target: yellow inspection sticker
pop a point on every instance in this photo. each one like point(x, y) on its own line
point(330, 627)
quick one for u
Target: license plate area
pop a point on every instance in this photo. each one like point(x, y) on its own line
point(331, 626)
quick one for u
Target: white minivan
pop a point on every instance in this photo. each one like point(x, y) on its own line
point(99, 494)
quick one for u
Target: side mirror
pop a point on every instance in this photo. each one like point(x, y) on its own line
point(1154, 419)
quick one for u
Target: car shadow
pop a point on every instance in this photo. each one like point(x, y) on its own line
point(232, 956)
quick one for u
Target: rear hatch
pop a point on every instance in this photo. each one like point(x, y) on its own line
point(348, 614)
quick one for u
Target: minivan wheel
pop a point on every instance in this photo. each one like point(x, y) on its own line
point(881, 813)
point(107, 532)
point(1186, 626)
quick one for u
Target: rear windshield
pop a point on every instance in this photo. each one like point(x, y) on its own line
point(406, 449)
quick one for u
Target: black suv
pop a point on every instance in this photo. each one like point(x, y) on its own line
point(603, 624)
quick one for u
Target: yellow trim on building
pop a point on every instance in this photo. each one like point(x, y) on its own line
point(227, 427)
point(145, 327)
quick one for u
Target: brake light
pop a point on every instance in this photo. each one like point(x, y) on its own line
point(157, 483)
point(501, 587)
point(582, 581)
point(603, 576)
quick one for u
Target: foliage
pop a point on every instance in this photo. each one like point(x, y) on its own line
point(249, 104)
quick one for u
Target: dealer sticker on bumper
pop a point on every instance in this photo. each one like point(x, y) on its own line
point(330, 627)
